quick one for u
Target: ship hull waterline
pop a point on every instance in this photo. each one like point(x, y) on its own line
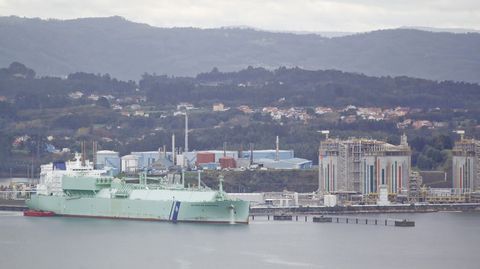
point(173, 211)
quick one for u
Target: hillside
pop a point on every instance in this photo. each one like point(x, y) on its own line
point(39, 117)
point(126, 50)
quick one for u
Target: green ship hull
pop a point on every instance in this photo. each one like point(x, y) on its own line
point(105, 197)
point(175, 211)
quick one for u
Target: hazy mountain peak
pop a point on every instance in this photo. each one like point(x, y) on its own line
point(442, 30)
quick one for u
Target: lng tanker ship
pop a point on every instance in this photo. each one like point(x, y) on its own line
point(76, 188)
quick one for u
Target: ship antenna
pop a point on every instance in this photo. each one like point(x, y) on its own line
point(220, 184)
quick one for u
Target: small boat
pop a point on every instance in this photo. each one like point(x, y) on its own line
point(35, 213)
point(405, 223)
point(282, 217)
point(322, 219)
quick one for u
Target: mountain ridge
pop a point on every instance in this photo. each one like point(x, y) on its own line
point(128, 49)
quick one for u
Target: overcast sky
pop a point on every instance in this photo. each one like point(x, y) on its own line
point(283, 15)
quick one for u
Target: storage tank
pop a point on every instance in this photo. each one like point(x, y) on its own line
point(205, 157)
point(108, 158)
point(227, 162)
point(130, 164)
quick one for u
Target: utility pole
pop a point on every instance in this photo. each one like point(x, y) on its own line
point(186, 131)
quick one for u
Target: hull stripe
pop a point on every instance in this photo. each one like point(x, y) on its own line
point(171, 210)
point(175, 211)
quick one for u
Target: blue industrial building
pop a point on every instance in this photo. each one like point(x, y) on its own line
point(146, 158)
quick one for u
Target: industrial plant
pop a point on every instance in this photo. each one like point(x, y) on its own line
point(466, 169)
point(363, 165)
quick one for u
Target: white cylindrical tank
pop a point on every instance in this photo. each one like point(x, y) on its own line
point(329, 200)
point(130, 163)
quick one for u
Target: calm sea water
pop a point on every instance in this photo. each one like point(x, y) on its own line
point(440, 240)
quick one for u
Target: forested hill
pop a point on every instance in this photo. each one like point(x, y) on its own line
point(255, 87)
point(130, 116)
point(125, 50)
point(298, 87)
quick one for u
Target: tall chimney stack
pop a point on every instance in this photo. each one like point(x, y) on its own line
point(173, 149)
point(83, 153)
point(94, 153)
point(251, 153)
point(186, 131)
point(240, 152)
point(224, 149)
point(277, 158)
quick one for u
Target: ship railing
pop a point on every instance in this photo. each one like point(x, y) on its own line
point(15, 195)
point(124, 191)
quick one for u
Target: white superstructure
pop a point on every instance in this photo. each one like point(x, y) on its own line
point(51, 174)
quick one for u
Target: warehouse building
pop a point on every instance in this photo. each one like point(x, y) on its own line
point(362, 165)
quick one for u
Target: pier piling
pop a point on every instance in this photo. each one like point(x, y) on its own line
point(366, 221)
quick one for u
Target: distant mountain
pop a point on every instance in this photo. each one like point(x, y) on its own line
point(126, 50)
point(445, 30)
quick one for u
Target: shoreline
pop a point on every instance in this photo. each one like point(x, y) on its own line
point(19, 205)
